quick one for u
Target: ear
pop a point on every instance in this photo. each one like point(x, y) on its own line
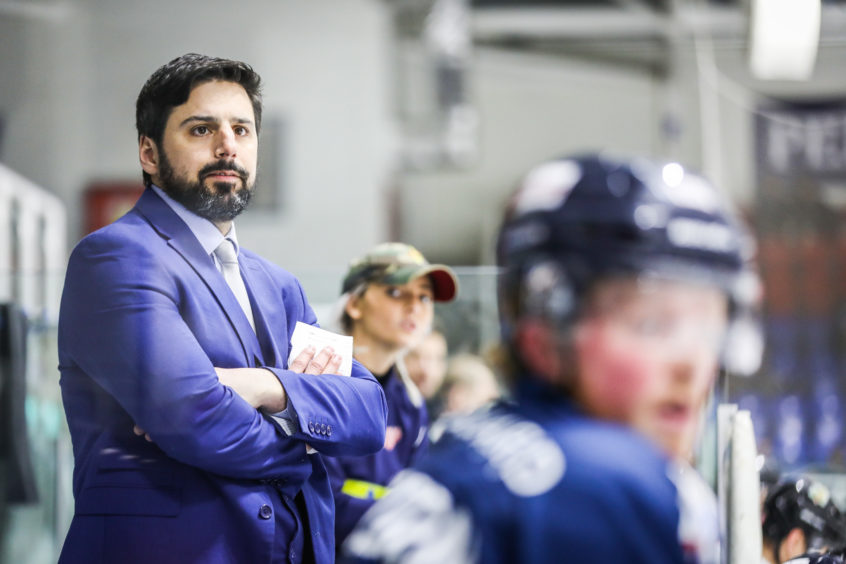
point(793, 545)
point(148, 154)
point(353, 309)
point(539, 348)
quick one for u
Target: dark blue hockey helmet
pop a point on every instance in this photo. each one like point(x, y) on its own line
point(799, 502)
point(576, 220)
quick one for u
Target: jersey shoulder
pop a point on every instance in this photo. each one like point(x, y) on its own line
point(504, 486)
point(531, 453)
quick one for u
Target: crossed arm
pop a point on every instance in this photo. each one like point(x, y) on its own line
point(262, 389)
point(157, 371)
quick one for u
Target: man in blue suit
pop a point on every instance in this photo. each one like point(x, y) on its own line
point(193, 439)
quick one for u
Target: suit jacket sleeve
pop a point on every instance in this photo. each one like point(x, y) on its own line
point(126, 328)
point(327, 420)
point(324, 415)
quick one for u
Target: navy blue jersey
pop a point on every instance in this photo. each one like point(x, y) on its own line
point(358, 481)
point(537, 482)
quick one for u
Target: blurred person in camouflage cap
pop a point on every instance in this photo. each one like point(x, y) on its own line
point(388, 300)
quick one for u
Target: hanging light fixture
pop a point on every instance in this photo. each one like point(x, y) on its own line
point(784, 36)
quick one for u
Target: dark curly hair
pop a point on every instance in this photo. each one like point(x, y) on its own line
point(171, 85)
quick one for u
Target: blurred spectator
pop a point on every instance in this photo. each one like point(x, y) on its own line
point(426, 364)
point(469, 384)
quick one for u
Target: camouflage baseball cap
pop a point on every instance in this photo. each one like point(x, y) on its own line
point(397, 264)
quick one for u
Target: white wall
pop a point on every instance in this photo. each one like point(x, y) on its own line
point(47, 135)
point(531, 107)
point(71, 107)
point(71, 78)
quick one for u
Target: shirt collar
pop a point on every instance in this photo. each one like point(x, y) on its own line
point(204, 230)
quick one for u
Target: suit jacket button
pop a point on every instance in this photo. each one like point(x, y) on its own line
point(265, 512)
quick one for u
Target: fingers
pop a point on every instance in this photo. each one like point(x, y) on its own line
point(301, 362)
point(324, 362)
point(319, 362)
point(334, 365)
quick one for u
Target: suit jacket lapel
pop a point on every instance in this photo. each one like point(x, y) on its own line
point(265, 306)
point(183, 241)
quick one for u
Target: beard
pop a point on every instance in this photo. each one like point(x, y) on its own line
point(222, 202)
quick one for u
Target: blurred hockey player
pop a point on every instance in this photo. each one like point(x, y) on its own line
point(800, 521)
point(621, 281)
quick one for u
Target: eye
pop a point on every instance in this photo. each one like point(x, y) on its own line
point(426, 299)
point(651, 326)
point(241, 130)
point(393, 292)
point(200, 130)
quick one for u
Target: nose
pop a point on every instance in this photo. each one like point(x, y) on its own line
point(683, 368)
point(412, 304)
point(225, 143)
point(693, 363)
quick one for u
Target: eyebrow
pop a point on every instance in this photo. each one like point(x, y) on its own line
point(212, 119)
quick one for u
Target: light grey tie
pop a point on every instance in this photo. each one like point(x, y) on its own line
point(225, 253)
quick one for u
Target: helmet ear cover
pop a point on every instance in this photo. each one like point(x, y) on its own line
point(548, 292)
point(539, 289)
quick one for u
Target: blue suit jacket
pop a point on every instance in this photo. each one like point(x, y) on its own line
point(145, 318)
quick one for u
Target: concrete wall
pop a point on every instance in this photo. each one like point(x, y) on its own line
point(71, 73)
point(70, 107)
point(531, 107)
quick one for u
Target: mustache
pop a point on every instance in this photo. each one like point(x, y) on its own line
point(224, 165)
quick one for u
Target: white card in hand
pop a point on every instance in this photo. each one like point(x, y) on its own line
point(305, 335)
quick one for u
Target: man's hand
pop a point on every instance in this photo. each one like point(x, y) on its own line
point(258, 386)
point(261, 388)
point(139, 431)
point(307, 362)
point(324, 362)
